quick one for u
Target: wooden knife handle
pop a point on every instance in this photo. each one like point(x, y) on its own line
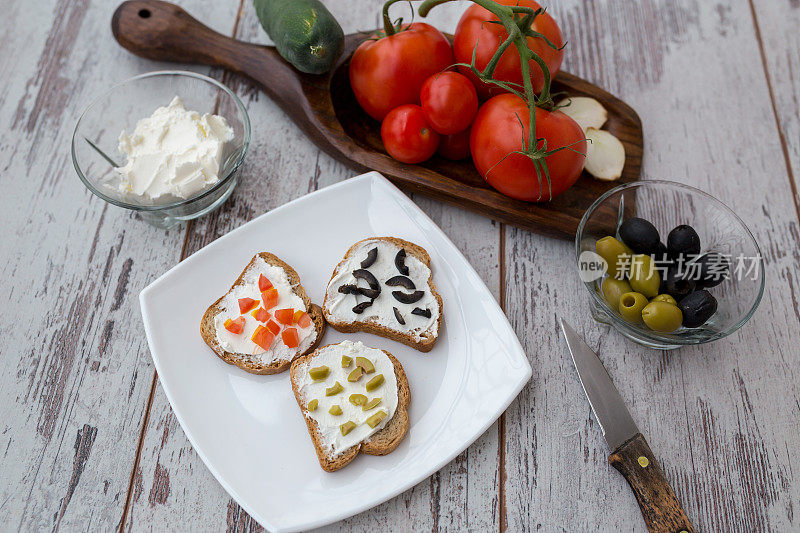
point(660, 508)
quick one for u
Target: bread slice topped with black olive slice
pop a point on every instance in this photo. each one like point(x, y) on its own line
point(265, 320)
point(384, 286)
point(354, 399)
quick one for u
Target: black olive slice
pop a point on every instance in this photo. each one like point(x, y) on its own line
point(405, 298)
point(360, 307)
point(348, 289)
point(400, 262)
point(372, 255)
point(421, 312)
point(399, 317)
point(367, 276)
point(401, 281)
point(369, 293)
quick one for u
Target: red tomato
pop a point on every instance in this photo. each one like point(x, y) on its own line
point(235, 326)
point(449, 102)
point(473, 31)
point(262, 337)
point(284, 316)
point(290, 338)
point(496, 133)
point(263, 283)
point(388, 72)
point(455, 147)
point(407, 136)
point(270, 298)
point(246, 304)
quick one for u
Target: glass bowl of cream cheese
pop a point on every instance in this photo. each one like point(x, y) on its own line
point(165, 144)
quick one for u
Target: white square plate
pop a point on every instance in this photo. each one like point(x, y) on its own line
point(248, 429)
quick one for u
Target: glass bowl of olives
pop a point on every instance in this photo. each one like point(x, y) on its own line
point(668, 265)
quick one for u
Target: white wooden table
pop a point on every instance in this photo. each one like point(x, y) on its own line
point(87, 437)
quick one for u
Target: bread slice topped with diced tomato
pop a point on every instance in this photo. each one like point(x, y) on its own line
point(265, 320)
point(384, 286)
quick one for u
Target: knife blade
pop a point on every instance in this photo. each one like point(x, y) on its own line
point(631, 455)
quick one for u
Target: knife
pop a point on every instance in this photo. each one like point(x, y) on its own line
point(631, 455)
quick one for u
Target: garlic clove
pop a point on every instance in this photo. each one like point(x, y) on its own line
point(587, 112)
point(605, 155)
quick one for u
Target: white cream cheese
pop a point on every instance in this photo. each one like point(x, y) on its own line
point(174, 153)
point(332, 440)
point(242, 342)
point(340, 306)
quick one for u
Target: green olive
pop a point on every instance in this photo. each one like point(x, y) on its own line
point(661, 316)
point(631, 305)
point(644, 277)
point(665, 298)
point(616, 254)
point(613, 289)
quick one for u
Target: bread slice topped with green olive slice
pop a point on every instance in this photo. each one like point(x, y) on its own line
point(265, 320)
point(384, 286)
point(354, 400)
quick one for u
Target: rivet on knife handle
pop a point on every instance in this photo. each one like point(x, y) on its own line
point(660, 507)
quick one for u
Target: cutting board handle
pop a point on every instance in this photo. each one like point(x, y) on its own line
point(660, 507)
point(165, 32)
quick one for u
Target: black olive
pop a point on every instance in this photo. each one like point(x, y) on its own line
point(372, 255)
point(712, 269)
point(640, 235)
point(404, 298)
point(677, 283)
point(400, 262)
point(367, 276)
point(399, 317)
point(421, 312)
point(360, 307)
point(697, 308)
point(401, 281)
point(369, 293)
point(684, 240)
point(348, 289)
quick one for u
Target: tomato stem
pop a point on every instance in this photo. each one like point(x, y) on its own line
point(389, 27)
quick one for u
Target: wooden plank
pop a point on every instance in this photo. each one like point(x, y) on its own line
point(722, 418)
point(173, 489)
point(75, 372)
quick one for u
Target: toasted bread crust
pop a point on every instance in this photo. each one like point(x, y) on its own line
point(209, 332)
point(380, 443)
point(428, 341)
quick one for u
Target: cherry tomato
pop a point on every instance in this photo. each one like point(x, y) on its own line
point(455, 147)
point(515, 176)
point(407, 136)
point(388, 72)
point(449, 101)
point(473, 31)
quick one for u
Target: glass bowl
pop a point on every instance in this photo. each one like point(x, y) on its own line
point(668, 204)
point(94, 142)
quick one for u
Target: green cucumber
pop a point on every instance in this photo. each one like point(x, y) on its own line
point(304, 32)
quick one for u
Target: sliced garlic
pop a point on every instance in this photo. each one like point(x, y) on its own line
point(587, 112)
point(605, 155)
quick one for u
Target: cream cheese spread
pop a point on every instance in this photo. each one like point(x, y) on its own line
point(381, 312)
point(332, 440)
point(174, 153)
point(242, 342)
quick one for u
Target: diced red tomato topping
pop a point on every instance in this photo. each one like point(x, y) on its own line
point(302, 319)
point(261, 314)
point(290, 338)
point(246, 304)
point(235, 326)
point(285, 316)
point(273, 327)
point(270, 298)
point(263, 283)
point(263, 337)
